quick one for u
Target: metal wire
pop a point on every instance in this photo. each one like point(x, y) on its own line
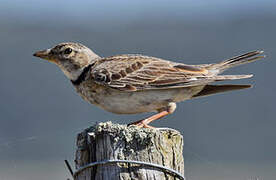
point(69, 168)
point(160, 167)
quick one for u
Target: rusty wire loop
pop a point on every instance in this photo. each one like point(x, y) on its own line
point(160, 167)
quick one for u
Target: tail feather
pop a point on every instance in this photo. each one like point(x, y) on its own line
point(214, 89)
point(235, 61)
point(231, 77)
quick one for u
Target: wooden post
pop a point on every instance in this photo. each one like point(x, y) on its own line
point(107, 141)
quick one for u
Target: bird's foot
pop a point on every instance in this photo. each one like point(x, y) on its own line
point(141, 123)
point(162, 112)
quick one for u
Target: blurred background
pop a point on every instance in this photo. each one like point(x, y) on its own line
point(227, 136)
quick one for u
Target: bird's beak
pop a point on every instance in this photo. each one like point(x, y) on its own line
point(45, 54)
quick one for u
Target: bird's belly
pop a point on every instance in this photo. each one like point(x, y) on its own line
point(142, 101)
point(133, 102)
point(121, 102)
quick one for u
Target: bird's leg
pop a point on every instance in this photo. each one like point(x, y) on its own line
point(162, 112)
point(144, 122)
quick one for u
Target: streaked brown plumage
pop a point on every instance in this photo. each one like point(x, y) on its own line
point(129, 84)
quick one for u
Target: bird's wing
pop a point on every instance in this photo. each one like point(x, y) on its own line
point(137, 72)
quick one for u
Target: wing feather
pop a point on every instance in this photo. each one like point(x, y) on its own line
point(136, 72)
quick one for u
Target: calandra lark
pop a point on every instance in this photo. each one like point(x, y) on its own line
point(130, 83)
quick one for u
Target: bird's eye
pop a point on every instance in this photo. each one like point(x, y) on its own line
point(68, 51)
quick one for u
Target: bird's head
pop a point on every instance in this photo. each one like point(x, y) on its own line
point(72, 58)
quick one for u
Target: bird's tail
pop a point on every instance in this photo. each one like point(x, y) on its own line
point(214, 89)
point(235, 61)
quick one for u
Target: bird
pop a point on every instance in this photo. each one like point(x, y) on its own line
point(134, 83)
